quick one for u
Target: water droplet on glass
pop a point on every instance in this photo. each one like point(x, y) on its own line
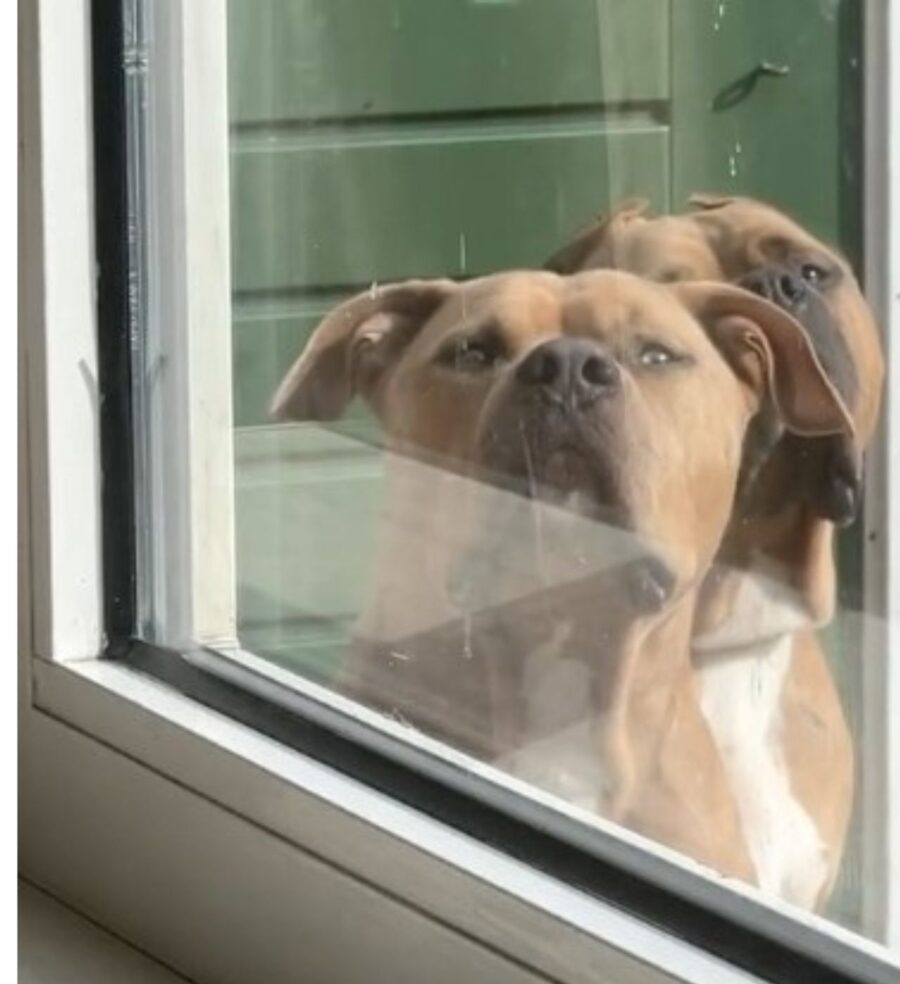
point(720, 14)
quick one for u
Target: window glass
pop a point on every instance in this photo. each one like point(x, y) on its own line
point(555, 394)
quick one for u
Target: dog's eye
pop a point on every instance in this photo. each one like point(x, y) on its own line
point(472, 354)
point(814, 274)
point(653, 354)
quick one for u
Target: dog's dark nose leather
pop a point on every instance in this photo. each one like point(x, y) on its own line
point(779, 285)
point(569, 369)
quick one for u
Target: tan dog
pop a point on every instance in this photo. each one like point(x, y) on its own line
point(565, 456)
point(777, 578)
point(746, 242)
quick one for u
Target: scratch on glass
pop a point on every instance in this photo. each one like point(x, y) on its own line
point(720, 15)
point(467, 635)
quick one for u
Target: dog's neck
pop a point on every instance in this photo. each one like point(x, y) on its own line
point(774, 576)
point(639, 752)
point(746, 677)
point(532, 622)
point(750, 621)
point(652, 668)
point(539, 676)
point(761, 610)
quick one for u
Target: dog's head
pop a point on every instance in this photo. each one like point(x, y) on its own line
point(751, 244)
point(610, 396)
point(662, 248)
point(763, 249)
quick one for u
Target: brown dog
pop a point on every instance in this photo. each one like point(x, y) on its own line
point(745, 242)
point(565, 457)
point(793, 491)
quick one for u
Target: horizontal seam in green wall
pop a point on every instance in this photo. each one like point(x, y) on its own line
point(280, 140)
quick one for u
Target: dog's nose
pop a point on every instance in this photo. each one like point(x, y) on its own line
point(779, 285)
point(569, 368)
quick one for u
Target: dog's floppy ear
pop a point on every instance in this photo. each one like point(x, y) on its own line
point(595, 242)
point(770, 351)
point(353, 345)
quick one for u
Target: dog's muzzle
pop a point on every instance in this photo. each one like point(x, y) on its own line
point(835, 490)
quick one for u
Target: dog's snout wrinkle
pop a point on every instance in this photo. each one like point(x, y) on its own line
point(567, 369)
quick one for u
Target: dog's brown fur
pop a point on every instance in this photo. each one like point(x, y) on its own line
point(658, 454)
point(783, 527)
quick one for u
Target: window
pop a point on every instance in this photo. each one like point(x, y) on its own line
point(589, 561)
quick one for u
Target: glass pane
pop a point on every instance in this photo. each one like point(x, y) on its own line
point(581, 497)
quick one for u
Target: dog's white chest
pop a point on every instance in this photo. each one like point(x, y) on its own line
point(740, 696)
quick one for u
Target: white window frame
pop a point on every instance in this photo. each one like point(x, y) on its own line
point(881, 680)
point(223, 853)
point(186, 533)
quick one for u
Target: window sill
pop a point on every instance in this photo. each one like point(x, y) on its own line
point(483, 905)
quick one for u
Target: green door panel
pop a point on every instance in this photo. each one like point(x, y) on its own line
point(787, 139)
point(429, 204)
point(312, 59)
